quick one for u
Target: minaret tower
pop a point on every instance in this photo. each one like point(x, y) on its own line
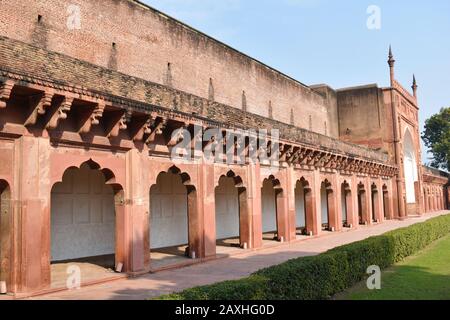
point(391, 63)
point(414, 86)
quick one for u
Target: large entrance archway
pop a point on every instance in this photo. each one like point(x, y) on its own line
point(84, 224)
point(304, 208)
point(231, 214)
point(172, 209)
point(5, 237)
point(410, 172)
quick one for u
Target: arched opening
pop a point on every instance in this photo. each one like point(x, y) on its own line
point(346, 205)
point(386, 211)
point(425, 200)
point(270, 193)
point(326, 204)
point(304, 208)
point(230, 202)
point(362, 205)
point(410, 171)
point(84, 228)
point(375, 204)
point(5, 237)
point(429, 199)
point(170, 212)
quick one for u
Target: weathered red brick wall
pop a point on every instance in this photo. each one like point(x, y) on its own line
point(146, 41)
point(362, 119)
point(64, 72)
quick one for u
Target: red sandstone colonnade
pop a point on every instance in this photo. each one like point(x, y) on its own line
point(124, 186)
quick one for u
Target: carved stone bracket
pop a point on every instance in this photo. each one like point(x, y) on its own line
point(5, 92)
point(157, 129)
point(60, 113)
point(121, 124)
point(38, 108)
point(93, 119)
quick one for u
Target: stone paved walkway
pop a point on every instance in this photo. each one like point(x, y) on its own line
point(231, 268)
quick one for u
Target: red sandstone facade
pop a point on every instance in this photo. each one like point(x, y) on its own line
point(73, 105)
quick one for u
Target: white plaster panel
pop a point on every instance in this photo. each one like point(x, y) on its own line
point(77, 227)
point(227, 210)
point(343, 205)
point(410, 168)
point(300, 206)
point(169, 213)
point(324, 204)
point(269, 207)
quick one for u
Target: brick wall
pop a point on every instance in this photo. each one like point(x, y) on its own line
point(146, 41)
point(63, 71)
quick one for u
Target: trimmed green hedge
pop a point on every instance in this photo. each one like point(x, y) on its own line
point(322, 276)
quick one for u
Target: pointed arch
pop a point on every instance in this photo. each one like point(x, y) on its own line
point(271, 193)
point(304, 207)
point(231, 212)
point(346, 205)
point(328, 206)
point(173, 220)
point(363, 210)
point(410, 167)
point(87, 220)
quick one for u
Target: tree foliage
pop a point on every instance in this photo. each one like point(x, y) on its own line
point(437, 138)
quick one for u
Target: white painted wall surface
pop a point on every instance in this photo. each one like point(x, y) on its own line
point(82, 216)
point(343, 205)
point(300, 206)
point(227, 210)
point(269, 208)
point(324, 204)
point(410, 168)
point(168, 212)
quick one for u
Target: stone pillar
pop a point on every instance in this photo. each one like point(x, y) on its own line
point(33, 190)
point(354, 201)
point(352, 215)
point(379, 203)
point(368, 202)
point(316, 194)
point(291, 184)
point(136, 214)
point(311, 211)
point(335, 204)
point(254, 206)
point(206, 198)
point(282, 207)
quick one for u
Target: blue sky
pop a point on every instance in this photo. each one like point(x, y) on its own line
point(328, 41)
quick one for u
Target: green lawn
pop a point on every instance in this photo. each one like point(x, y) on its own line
point(425, 276)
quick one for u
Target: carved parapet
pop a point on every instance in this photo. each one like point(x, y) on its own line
point(5, 92)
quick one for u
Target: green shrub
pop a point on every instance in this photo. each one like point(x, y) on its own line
point(251, 288)
point(322, 276)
